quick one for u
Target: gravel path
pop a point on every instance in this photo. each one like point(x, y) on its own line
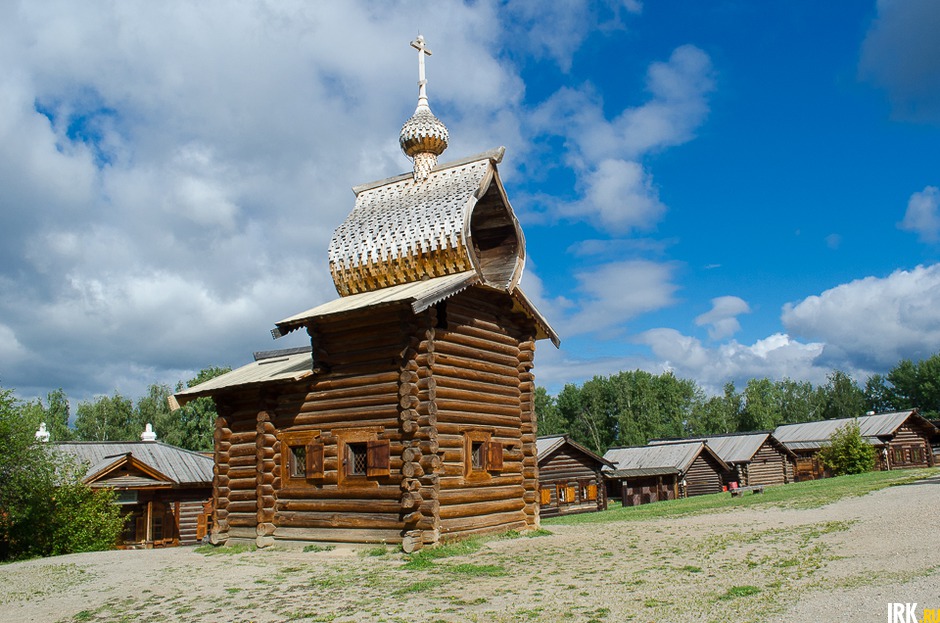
point(844, 561)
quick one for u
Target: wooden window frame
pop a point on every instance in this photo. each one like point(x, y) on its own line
point(545, 496)
point(310, 441)
point(483, 455)
point(377, 457)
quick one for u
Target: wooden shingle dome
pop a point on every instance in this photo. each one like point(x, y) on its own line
point(402, 230)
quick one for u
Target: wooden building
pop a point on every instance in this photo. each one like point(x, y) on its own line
point(753, 458)
point(570, 477)
point(653, 473)
point(411, 418)
point(901, 440)
point(165, 491)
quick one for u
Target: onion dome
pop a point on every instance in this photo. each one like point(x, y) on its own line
point(423, 137)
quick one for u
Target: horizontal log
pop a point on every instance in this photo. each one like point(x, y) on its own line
point(352, 402)
point(297, 519)
point(468, 495)
point(464, 526)
point(242, 484)
point(378, 415)
point(451, 398)
point(452, 349)
point(388, 388)
point(244, 506)
point(482, 417)
point(340, 506)
point(387, 492)
point(505, 387)
point(473, 364)
point(338, 535)
point(463, 338)
point(474, 509)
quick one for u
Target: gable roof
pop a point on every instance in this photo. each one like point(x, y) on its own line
point(734, 447)
point(161, 462)
point(814, 435)
point(678, 456)
point(548, 444)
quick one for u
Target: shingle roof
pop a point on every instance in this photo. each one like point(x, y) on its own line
point(733, 448)
point(674, 455)
point(284, 368)
point(419, 295)
point(183, 467)
point(398, 224)
point(814, 435)
point(549, 443)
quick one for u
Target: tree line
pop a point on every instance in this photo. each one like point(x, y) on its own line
point(632, 407)
point(118, 418)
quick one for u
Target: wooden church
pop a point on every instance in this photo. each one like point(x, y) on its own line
point(410, 418)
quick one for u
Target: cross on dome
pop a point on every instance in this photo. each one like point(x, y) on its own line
point(423, 137)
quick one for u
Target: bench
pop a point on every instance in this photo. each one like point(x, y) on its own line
point(740, 490)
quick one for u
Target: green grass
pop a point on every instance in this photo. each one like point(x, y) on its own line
point(424, 558)
point(739, 591)
point(215, 550)
point(318, 548)
point(811, 494)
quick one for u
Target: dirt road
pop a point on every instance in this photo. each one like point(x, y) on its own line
point(844, 561)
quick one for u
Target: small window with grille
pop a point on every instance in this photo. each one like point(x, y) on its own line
point(477, 457)
point(298, 461)
point(356, 459)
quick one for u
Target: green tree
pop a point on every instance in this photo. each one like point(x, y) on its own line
point(45, 508)
point(916, 386)
point(717, 415)
point(193, 425)
point(841, 397)
point(847, 452)
point(109, 418)
point(549, 421)
point(761, 406)
point(878, 394)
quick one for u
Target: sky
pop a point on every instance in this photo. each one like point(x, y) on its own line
point(725, 190)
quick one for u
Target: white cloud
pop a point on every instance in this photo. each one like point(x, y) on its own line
point(722, 318)
point(901, 53)
point(612, 294)
point(555, 30)
point(776, 357)
point(617, 192)
point(172, 172)
point(621, 195)
point(922, 215)
point(873, 322)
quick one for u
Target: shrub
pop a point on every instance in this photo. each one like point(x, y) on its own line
point(847, 452)
point(45, 508)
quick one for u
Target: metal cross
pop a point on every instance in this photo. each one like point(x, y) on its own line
point(418, 44)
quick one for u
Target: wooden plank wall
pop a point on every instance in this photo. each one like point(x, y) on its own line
point(479, 390)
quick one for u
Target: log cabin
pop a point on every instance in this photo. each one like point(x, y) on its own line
point(753, 459)
point(653, 473)
point(901, 440)
point(165, 492)
point(570, 477)
point(410, 417)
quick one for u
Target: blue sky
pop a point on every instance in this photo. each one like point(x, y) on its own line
point(727, 190)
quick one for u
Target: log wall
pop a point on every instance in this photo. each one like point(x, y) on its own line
point(703, 476)
point(909, 448)
point(768, 466)
point(422, 384)
point(579, 474)
point(484, 394)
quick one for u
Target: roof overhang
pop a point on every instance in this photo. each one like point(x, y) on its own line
point(418, 296)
